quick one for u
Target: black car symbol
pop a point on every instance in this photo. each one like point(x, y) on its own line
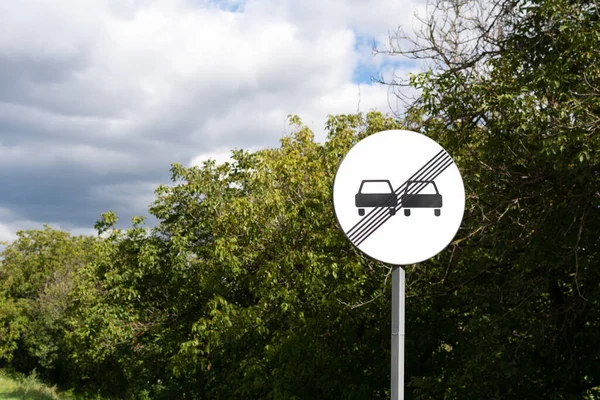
point(387, 198)
point(421, 200)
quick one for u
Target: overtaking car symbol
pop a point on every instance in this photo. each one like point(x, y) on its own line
point(364, 199)
point(418, 200)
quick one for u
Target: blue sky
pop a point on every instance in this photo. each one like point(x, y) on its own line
point(99, 98)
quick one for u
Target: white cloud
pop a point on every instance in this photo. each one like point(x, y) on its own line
point(7, 233)
point(119, 89)
point(220, 157)
point(8, 230)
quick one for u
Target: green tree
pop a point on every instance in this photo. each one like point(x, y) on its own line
point(513, 95)
point(246, 288)
point(36, 276)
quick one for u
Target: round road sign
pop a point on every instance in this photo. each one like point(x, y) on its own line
point(399, 197)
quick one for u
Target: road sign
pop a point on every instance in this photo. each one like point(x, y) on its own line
point(399, 197)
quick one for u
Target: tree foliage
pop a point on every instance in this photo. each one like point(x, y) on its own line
point(36, 277)
point(248, 289)
point(246, 279)
point(513, 96)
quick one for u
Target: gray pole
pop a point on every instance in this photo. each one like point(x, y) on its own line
point(397, 333)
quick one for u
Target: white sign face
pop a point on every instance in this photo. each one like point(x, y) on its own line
point(399, 197)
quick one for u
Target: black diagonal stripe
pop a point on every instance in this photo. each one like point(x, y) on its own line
point(383, 211)
point(364, 220)
point(358, 239)
point(363, 237)
point(375, 215)
point(420, 186)
point(370, 215)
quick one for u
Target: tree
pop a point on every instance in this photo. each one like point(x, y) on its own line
point(36, 276)
point(246, 288)
point(512, 93)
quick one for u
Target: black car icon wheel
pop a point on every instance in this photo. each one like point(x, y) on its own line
point(384, 196)
point(418, 200)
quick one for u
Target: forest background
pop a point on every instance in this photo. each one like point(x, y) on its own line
point(247, 289)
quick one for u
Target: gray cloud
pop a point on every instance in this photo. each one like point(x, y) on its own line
point(98, 99)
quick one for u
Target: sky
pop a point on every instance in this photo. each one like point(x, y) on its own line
point(99, 97)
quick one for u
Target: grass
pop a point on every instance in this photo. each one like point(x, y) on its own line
point(15, 386)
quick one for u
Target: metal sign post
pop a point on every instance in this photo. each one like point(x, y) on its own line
point(399, 198)
point(398, 318)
